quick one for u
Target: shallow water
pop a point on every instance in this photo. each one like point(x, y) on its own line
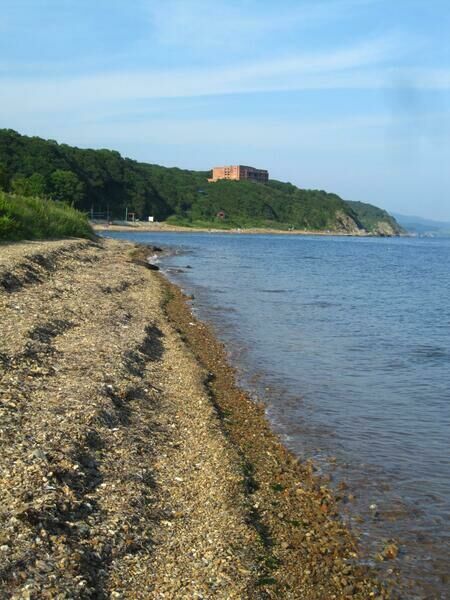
point(348, 342)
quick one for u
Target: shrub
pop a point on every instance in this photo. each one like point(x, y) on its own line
point(29, 218)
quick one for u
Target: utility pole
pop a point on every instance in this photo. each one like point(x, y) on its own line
point(126, 214)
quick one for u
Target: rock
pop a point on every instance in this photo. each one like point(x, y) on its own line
point(144, 263)
point(39, 454)
point(349, 590)
point(390, 551)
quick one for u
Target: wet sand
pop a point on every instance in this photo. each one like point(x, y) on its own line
point(133, 466)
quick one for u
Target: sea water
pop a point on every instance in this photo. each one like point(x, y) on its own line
point(347, 340)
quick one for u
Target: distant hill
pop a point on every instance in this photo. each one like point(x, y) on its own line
point(422, 226)
point(102, 181)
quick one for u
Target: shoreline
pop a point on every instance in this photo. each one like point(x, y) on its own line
point(155, 473)
point(166, 228)
point(285, 487)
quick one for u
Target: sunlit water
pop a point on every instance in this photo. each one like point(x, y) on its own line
point(348, 342)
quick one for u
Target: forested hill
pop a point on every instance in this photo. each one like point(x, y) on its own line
point(102, 180)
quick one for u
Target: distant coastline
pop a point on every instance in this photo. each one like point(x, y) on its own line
point(168, 227)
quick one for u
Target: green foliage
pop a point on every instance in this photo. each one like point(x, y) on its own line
point(8, 227)
point(108, 181)
point(27, 218)
point(29, 186)
point(66, 187)
point(3, 178)
point(277, 205)
point(103, 180)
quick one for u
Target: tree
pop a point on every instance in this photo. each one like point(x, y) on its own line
point(66, 187)
point(29, 186)
point(3, 178)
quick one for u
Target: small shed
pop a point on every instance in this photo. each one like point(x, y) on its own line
point(221, 214)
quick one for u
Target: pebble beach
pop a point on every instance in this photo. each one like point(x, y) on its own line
point(132, 464)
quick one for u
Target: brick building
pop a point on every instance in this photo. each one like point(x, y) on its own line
point(239, 173)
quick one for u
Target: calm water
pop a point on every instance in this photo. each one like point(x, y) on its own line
point(348, 342)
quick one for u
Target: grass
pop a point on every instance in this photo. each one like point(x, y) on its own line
point(23, 218)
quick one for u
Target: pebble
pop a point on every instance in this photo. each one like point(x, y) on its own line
point(39, 454)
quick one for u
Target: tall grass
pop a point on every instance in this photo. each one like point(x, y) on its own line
point(23, 218)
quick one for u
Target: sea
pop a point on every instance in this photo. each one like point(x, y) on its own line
point(347, 342)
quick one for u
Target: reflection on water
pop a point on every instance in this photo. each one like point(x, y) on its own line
point(348, 341)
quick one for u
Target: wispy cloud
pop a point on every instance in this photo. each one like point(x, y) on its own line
point(235, 24)
point(361, 66)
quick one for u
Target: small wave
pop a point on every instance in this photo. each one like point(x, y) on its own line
point(174, 270)
point(430, 353)
point(275, 291)
point(320, 304)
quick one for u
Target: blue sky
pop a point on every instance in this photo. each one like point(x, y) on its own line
point(351, 96)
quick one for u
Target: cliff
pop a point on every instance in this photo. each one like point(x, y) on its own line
point(376, 220)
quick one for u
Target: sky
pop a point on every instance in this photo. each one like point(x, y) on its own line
point(350, 96)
